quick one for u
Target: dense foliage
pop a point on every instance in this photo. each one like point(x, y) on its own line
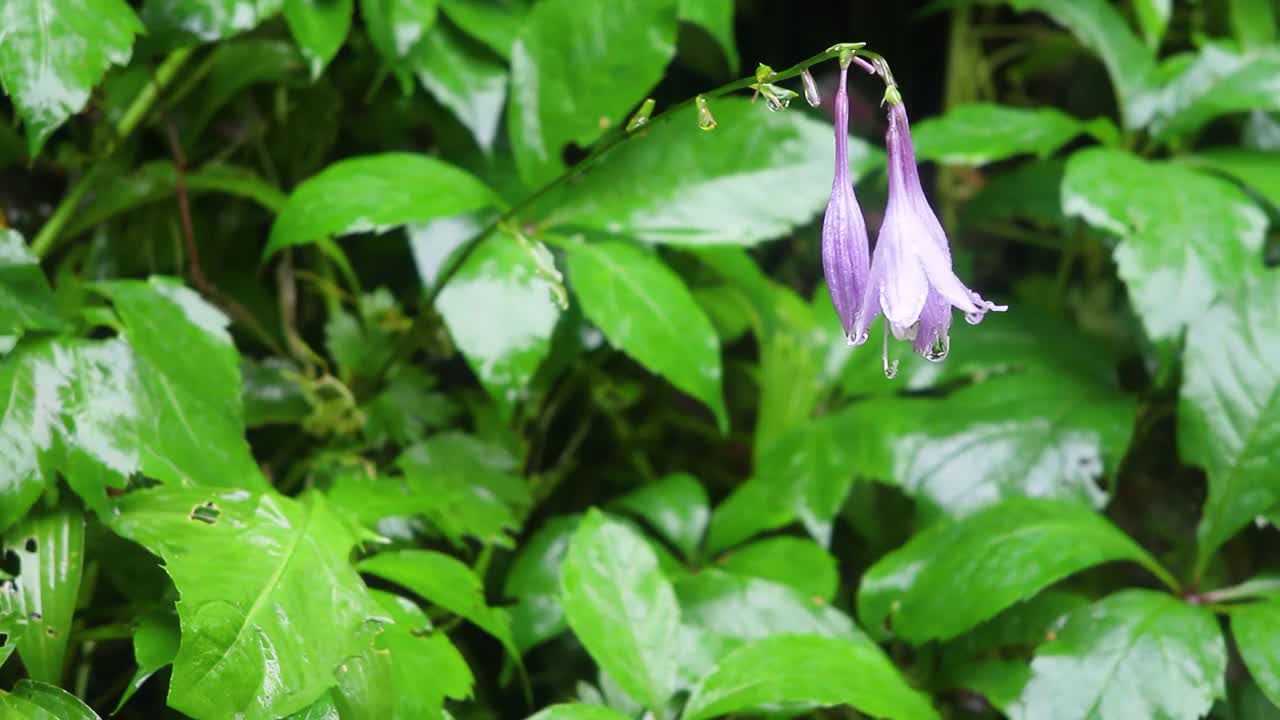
point(398, 359)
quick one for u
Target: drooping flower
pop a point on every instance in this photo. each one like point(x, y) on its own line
point(845, 255)
point(912, 282)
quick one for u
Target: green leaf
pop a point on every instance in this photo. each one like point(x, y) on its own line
point(1000, 555)
point(155, 645)
point(675, 505)
point(54, 52)
point(579, 67)
point(446, 582)
point(395, 27)
point(26, 301)
point(1229, 408)
point(406, 409)
point(645, 309)
point(1253, 626)
point(1098, 25)
point(622, 608)
point(272, 394)
point(501, 313)
point(980, 133)
point(1258, 170)
point(1253, 22)
point(184, 21)
point(258, 641)
point(466, 487)
point(494, 23)
point(375, 193)
point(796, 563)
point(807, 671)
point(50, 552)
point(678, 184)
point(1137, 653)
point(464, 78)
point(236, 65)
point(60, 704)
point(190, 426)
point(534, 582)
point(320, 28)
point(427, 668)
point(716, 17)
point(1219, 81)
point(1030, 191)
point(1153, 18)
point(1183, 234)
point(743, 608)
point(578, 712)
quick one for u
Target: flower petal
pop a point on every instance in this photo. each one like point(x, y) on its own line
point(844, 254)
point(905, 284)
point(935, 323)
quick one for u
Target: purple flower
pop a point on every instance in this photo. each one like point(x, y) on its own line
point(911, 279)
point(845, 257)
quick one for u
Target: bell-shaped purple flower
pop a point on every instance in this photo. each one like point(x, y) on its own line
point(845, 257)
point(911, 279)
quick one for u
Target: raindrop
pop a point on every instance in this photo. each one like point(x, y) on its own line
point(641, 118)
point(777, 102)
point(857, 340)
point(939, 351)
point(810, 89)
point(891, 370)
point(706, 121)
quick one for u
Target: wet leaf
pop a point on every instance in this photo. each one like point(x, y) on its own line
point(569, 86)
point(320, 28)
point(1258, 170)
point(578, 712)
point(272, 394)
point(675, 506)
point(1137, 653)
point(42, 700)
point(736, 607)
point(426, 666)
point(54, 52)
point(50, 550)
point(495, 23)
point(1183, 234)
point(980, 133)
point(182, 21)
point(680, 185)
point(999, 556)
point(644, 309)
point(621, 608)
point(235, 66)
point(26, 301)
point(375, 193)
point(465, 78)
point(1229, 408)
point(245, 566)
point(807, 671)
point(1253, 626)
point(534, 582)
point(796, 563)
point(1218, 82)
point(155, 645)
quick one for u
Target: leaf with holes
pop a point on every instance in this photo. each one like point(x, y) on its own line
point(49, 547)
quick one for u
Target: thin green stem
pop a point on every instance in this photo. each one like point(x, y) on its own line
point(409, 341)
point(48, 235)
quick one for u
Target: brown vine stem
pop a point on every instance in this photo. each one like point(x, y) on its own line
point(617, 137)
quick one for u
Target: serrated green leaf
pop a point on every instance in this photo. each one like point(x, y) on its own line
point(644, 309)
point(796, 563)
point(155, 645)
point(675, 506)
point(680, 185)
point(1137, 653)
point(807, 671)
point(465, 78)
point(534, 582)
point(320, 28)
point(1000, 555)
point(1229, 408)
point(1183, 234)
point(406, 409)
point(258, 641)
point(50, 550)
point(53, 53)
point(980, 133)
point(501, 313)
point(26, 300)
point(622, 608)
point(375, 193)
point(1254, 627)
point(1258, 170)
point(1219, 81)
point(570, 85)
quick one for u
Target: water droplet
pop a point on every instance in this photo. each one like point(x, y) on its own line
point(641, 117)
point(810, 89)
point(706, 121)
point(939, 351)
point(776, 103)
point(857, 340)
point(974, 318)
point(891, 370)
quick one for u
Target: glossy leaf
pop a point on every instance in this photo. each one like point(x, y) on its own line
point(680, 185)
point(58, 703)
point(796, 563)
point(26, 301)
point(50, 550)
point(1000, 555)
point(245, 566)
point(427, 668)
point(155, 645)
point(577, 712)
point(446, 582)
point(1253, 22)
point(1229, 408)
point(1254, 627)
point(182, 21)
point(1183, 234)
point(716, 18)
point(999, 681)
point(54, 52)
point(1218, 82)
point(1258, 170)
point(980, 133)
point(495, 24)
point(396, 26)
point(807, 670)
point(534, 582)
point(1134, 654)
point(375, 193)
point(501, 313)
point(320, 28)
point(1153, 18)
point(644, 309)
point(676, 506)
point(621, 607)
point(272, 393)
point(741, 608)
point(464, 78)
point(569, 86)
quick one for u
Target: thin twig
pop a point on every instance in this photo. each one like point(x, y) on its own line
point(184, 205)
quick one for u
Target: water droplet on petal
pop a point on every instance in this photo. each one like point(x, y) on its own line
point(706, 121)
point(939, 351)
point(974, 318)
point(776, 103)
point(857, 340)
point(810, 89)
